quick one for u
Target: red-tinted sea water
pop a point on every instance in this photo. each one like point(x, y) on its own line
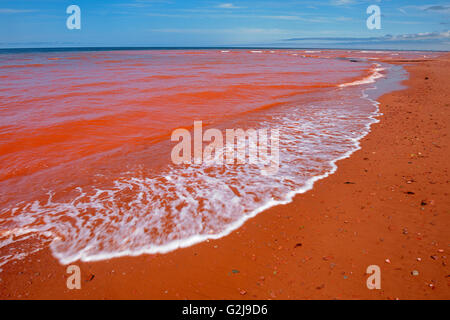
point(85, 141)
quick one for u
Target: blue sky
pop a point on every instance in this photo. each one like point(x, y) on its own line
point(329, 23)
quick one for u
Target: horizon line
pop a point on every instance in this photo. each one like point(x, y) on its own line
point(136, 48)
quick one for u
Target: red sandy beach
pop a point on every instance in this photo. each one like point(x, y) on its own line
point(387, 205)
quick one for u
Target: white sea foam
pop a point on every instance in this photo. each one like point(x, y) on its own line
point(376, 74)
point(182, 206)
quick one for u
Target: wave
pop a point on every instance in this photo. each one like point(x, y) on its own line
point(112, 190)
point(372, 78)
point(150, 212)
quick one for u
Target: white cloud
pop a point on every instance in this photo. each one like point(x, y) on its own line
point(443, 35)
point(227, 6)
point(224, 31)
point(424, 35)
point(437, 8)
point(342, 2)
point(443, 9)
point(5, 10)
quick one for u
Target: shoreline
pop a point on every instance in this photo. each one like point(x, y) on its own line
point(308, 186)
point(363, 83)
point(319, 245)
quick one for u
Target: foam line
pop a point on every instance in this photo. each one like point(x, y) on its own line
point(193, 240)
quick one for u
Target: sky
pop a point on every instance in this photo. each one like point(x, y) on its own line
point(405, 24)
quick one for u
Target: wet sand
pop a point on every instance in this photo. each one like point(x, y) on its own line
point(387, 205)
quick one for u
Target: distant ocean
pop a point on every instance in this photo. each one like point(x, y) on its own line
point(85, 140)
